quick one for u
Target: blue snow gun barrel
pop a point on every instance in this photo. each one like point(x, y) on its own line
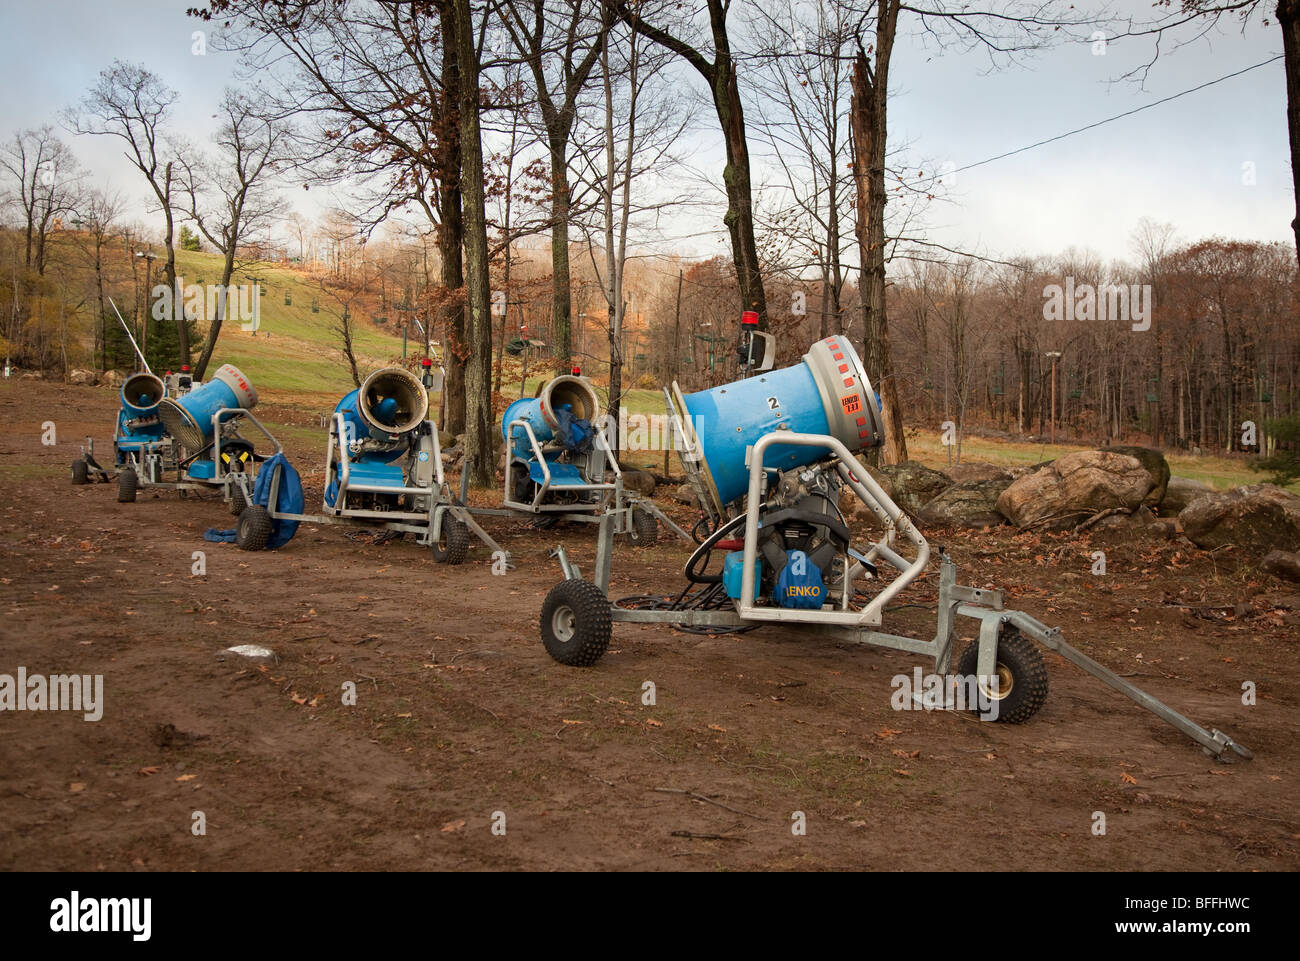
point(828, 393)
point(188, 418)
point(138, 424)
point(571, 392)
point(389, 403)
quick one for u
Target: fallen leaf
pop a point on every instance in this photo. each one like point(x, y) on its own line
point(187, 777)
point(1127, 778)
point(718, 728)
point(76, 787)
point(902, 772)
point(886, 733)
point(407, 714)
point(653, 723)
point(452, 826)
point(574, 722)
point(146, 771)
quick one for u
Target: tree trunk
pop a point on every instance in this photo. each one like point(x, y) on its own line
point(561, 304)
point(868, 126)
point(478, 368)
point(1288, 16)
point(451, 236)
point(223, 305)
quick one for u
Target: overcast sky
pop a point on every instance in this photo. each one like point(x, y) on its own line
point(1181, 162)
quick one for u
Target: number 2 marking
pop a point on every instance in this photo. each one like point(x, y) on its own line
point(773, 404)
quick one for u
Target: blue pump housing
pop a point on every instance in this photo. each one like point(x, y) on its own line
point(799, 585)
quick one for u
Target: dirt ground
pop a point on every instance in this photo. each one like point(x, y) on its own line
point(460, 713)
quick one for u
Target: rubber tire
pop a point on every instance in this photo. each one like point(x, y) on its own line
point(1029, 682)
point(128, 483)
point(254, 528)
point(80, 473)
point(645, 529)
point(544, 522)
point(237, 499)
point(591, 623)
point(455, 537)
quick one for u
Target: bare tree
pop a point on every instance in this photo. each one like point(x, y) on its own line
point(130, 102)
point(46, 180)
point(720, 73)
point(560, 42)
point(228, 198)
point(98, 217)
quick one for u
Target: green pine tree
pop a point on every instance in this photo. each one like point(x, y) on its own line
point(1284, 462)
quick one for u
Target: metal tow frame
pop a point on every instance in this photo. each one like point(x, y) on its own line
point(427, 524)
point(152, 461)
point(615, 502)
point(983, 605)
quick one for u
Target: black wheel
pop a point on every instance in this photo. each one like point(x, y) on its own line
point(128, 482)
point(237, 499)
point(254, 528)
point(544, 522)
point(645, 529)
point(575, 623)
point(80, 472)
point(452, 546)
point(1022, 676)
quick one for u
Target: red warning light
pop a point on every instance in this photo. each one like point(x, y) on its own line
point(426, 362)
point(749, 318)
point(576, 371)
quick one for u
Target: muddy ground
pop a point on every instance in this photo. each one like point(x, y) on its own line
point(460, 712)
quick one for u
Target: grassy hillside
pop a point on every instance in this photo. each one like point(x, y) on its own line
point(302, 353)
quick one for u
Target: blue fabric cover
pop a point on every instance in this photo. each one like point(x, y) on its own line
point(289, 501)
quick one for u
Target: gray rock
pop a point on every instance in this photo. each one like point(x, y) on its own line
point(973, 505)
point(915, 485)
point(1181, 492)
point(685, 494)
point(634, 479)
point(1283, 564)
point(1258, 518)
point(972, 472)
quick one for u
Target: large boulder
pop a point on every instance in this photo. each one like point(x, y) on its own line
point(1156, 466)
point(1181, 492)
point(115, 378)
point(973, 472)
point(1258, 518)
point(973, 504)
point(914, 485)
point(685, 494)
point(81, 378)
point(1073, 488)
point(1283, 564)
point(640, 481)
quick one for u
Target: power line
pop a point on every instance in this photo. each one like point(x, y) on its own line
point(1119, 116)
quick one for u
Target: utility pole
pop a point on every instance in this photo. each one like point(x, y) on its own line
point(1053, 354)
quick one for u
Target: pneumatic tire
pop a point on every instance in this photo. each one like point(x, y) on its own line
point(644, 531)
point(575, 623)
point(452, 547)
point(1022, 676)
point(254, 530)
point(128, 482)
